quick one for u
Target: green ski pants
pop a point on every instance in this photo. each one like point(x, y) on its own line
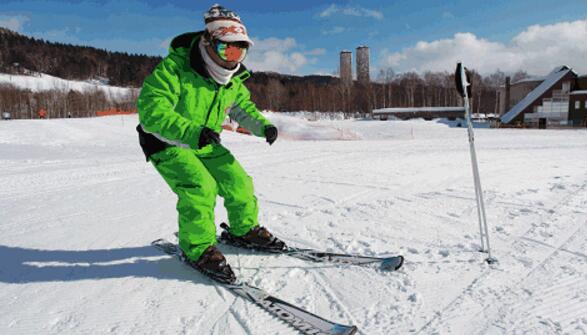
point(197, 177)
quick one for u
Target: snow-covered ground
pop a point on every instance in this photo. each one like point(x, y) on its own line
point(79, 207)
point(44, 82)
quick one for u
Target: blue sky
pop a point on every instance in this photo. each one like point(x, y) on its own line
point(305, 37)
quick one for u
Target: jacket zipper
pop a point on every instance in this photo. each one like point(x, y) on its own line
point(216, 91)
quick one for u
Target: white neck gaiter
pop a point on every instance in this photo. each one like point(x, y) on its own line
point(218, 73)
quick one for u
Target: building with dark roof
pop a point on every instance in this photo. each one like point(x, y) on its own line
point(556, 100)
point(510, 93)
point(578, 108)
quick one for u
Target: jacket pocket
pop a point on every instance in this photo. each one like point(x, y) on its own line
point(150, 144)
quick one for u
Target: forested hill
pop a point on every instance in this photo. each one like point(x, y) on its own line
point(20, 53)
point(23, 54)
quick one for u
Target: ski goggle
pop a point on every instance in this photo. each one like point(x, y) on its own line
point(231, 51)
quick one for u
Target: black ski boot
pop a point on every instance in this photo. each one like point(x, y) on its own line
point(213, 264)
point(258, 238)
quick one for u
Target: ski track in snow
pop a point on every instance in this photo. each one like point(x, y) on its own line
point(490, 301)
point(79, 207)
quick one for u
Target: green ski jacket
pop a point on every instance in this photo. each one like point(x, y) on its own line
point(179, 98)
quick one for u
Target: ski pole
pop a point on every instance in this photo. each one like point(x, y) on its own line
point(464, 88)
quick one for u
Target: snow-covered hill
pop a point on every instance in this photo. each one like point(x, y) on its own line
point(79, 207)
point(44, 82)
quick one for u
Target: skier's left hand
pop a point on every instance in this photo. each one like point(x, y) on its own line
point(208, 136)
point(270, 134)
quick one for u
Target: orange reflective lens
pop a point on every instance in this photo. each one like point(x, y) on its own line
point(231, 52)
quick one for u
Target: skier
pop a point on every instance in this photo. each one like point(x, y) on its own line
point(182, 105)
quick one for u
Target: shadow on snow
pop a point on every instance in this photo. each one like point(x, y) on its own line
point(21, 265)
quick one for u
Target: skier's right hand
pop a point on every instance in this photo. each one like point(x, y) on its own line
point(270, 134)
point(208, 136)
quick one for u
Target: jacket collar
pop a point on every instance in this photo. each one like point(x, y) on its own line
point(196, 61)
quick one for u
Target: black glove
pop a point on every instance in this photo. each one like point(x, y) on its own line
point(208, 136)
point(270, 134)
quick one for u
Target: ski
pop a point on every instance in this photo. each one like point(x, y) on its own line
point(391, 263)
point(296, 317)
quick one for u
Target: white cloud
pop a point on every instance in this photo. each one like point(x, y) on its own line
point(316, 52)
point(334, 30)
point(272, 43)
point(537, 50)
point(13, 23)
point(279, 55)
point(351, 11)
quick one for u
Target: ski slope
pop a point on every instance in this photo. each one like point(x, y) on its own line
point(79, 207)
point(43, 82)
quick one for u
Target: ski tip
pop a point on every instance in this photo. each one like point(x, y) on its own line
point(157, 241)
point(353, 330)
point(343, 330)
point(393, 263)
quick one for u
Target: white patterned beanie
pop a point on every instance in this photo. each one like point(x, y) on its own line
point(225, 25)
